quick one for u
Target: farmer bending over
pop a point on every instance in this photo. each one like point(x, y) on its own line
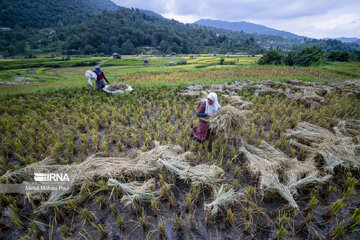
point(207, 109)
point(100, 78)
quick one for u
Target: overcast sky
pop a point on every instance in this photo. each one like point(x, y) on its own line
point(311, 18)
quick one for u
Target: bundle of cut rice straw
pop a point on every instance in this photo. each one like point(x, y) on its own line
point(145, 164)
point(268, 164)
point(116, 86)
point(228, 120)
point(222, 199)
point(336, 149)
point(136, 191)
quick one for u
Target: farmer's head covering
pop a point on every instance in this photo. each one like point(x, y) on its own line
point(98, 70)
point(213, 97)
point(215, 106)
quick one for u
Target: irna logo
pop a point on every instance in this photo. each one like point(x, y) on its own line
point(51, 177)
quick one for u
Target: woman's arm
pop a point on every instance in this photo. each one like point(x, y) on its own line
point(201, 110)
point(200, 114)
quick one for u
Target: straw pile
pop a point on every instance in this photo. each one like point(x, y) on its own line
point(172, 157)
point(348, 128)
point(222, 199)
point(278, 172)
point(306, 95)
point(336, 149)
point(310, 93)
point(116, 86)
point(136, 191)
point(203, 174)
point(228, 120)
point(19, 80)
point(264, 90)
point(238, 101)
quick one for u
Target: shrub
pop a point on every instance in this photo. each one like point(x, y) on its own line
point(337, 55)
point(356, 55)
point(222, 61)
point(309, 56)
point(54, 65)
point(290, 58)
point(272, 57)
point(182, 62)
point(80, 64)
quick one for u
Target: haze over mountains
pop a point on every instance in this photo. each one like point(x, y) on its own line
point(246, 27)
point(349, 40)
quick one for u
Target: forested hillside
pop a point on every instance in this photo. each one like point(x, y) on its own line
point(49, 13)
point(126, 31)
point(101, 27)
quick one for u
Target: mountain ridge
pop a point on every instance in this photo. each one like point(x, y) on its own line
point(349, 40)
point(246, 27)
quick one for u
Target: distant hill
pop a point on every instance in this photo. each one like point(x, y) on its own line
point(349, 40)
point(129, 31)
point(246, 27)
point(49, 13)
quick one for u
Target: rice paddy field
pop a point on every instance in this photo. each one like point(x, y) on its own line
point(282, 161)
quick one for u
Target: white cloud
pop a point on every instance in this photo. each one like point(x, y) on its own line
point(313, 18)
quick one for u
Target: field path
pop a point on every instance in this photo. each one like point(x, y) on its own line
point(102, 62)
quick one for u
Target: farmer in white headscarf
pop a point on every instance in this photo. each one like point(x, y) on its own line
point(207, 109)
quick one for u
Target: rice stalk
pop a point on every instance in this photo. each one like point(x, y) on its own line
point(136, 191)
point(222, 199)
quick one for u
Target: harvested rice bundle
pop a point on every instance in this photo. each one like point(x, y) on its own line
point(306, 95)
point(348, 128)
point(336, 149)
point(144, 164)
point(264, 90)
point(268, 164)
point(203, 174)
point(27, 173)
point(136, 191)
point(228, 120)
point(116, 86)
point(222, 199)
point(238, 101)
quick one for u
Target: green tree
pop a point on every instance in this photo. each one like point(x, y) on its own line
point(272, 57)
point(309, 56)
point(290, 58)
point(127, 47)
point(337, 55)
point(356, 55)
